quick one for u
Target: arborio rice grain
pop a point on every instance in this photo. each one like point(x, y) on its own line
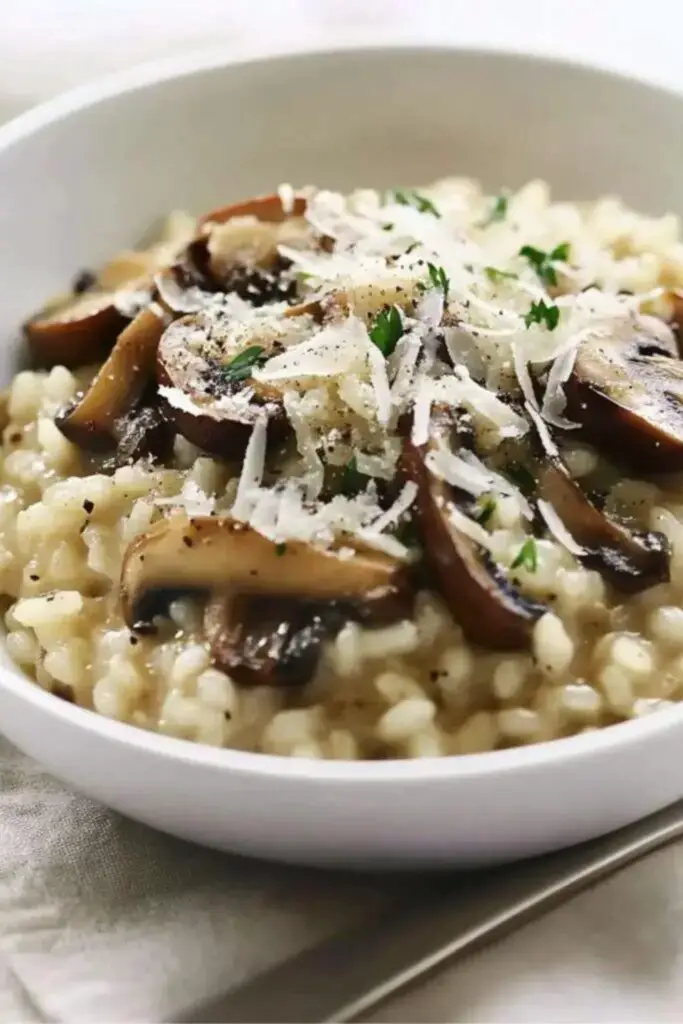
point(411, 688)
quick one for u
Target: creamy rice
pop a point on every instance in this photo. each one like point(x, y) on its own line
point(415, 687)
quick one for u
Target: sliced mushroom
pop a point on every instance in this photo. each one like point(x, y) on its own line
point(266, 642)
point(630, 560)
point(490, 610)
point(219, 553)
point(192, 283)
point(140, 433)
point(82, 327)
point(628, 397)
point(277, 642)
point(90, 423)
point(241, 243)
point(79, 331)
point(212, 406)
point(266, 208)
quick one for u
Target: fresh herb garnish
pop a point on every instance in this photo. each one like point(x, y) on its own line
point(408, 197)
point(498, 211)
point(241, 367)
point(527, 556)
point(495, 275)
point(486, 508)
point(280, 549)
point(542, 262)
point(386, 330)
point(352, 480)
point(522, 477)
point(387, 227)
point(439, 278)
point(540, 313)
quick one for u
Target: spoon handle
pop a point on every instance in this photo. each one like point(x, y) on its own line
point(350, 974)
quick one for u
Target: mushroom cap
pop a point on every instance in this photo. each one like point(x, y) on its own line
point(630, 560)
point(490, 610)
point(266, 208)
point(209, 553)
point(629, 403)
point(118, 385)
point(78, 332)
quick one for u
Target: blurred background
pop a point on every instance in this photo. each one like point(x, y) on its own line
point(50, 45)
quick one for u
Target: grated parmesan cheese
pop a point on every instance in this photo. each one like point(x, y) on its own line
point(474, 350)
point(286, 194)
point(558, 530)
point(252, 470)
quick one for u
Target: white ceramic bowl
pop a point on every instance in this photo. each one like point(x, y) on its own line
point(85, 175)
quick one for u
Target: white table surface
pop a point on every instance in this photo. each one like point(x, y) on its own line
point(614, 953)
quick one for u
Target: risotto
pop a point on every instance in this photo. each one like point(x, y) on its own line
point(387, 474)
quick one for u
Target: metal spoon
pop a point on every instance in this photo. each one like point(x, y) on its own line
point(350, 974)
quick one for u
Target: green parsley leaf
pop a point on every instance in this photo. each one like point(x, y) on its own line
point(494, 275)
point(280, 549)
point(536, 257)
point(352, 480)
point(498, 211)
point(487, 506)
point(439, 278)
point(527, 556)
point(408, 197)
point(241, 367)
point(560, 252)
point(542, 262)
point(540, 313)
point(386, 330)
point(523, 477)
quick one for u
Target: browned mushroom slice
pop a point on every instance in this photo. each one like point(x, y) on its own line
point(204, 369)
point(118, 385)
point(630, 560)
point(81, 328)
point(78, 332)
point(276, 642)
point(265, 208)
point(629, 400)
point(4, 408)
point(219, 553)
point(266, 642)
point(241, 248)
point(490, 610)
point(676, 297)
point(143, 432)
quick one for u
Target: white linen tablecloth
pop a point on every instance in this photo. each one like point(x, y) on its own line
point(102, 919)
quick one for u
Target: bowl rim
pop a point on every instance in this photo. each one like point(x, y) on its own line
point(556, 752)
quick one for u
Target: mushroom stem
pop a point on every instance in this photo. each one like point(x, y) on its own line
point(266, 642)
